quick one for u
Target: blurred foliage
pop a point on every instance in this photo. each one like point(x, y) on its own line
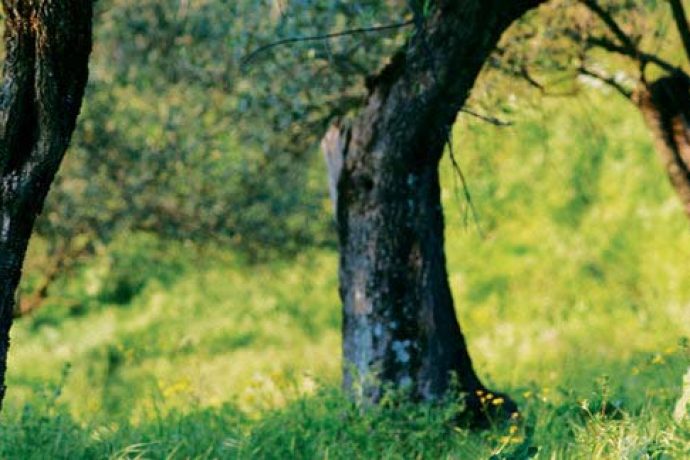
point(181, 138)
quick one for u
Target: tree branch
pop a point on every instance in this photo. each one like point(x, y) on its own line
point(681, 21)
point(610, 81)
point(527, 76)
point(607, 18)
point(641, 57)
point(489, 119)
point(465, 186)
point(344, 33)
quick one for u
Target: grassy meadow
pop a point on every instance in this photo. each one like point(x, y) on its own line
point(571, 288)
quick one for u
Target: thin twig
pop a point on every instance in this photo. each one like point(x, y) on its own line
point(611, 23)
point(344, 33)
point(465, 187)
point(489, 119)
point(608, 45)
point(525, 73)
point(610, 81)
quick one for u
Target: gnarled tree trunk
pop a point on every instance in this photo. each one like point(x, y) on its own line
point(400, 328)
point(47, 45)
point(665, 104)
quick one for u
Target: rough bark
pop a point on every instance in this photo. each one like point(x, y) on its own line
point(399, 323)
point(47, 45)
point(665, 104)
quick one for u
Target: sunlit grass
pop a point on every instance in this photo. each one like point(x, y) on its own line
point(573, 299)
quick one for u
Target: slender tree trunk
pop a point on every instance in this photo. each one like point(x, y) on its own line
point(399, 327)
point(665, 105)
point(47, 45)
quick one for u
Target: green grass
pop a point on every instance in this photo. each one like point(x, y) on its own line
point(573, 297)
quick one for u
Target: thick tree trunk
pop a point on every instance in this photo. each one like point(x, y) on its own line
point(400, 330)
point(47, 45)
point(665, 105)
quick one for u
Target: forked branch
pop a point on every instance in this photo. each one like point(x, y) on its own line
point(641, 57)
point(624, 39)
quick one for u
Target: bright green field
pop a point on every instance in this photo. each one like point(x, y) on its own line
point(574, 299)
